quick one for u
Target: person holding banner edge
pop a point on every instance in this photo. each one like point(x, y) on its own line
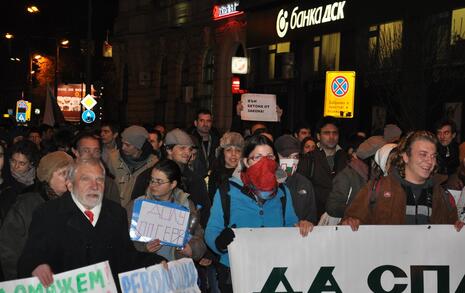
point(255, 200)
point(410, 194)
point(164, 185)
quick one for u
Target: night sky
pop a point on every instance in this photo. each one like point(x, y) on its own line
point(37, 32)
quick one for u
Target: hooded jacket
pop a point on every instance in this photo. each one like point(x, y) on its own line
point(126, 172)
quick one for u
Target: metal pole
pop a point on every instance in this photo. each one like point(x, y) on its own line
point(57, 58)
point(89, 41)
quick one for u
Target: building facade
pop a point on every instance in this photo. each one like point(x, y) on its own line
point(174, 57)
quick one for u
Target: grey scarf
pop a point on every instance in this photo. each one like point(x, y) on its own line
point(27, 178)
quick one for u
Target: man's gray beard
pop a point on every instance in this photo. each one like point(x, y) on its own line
point(79, 198)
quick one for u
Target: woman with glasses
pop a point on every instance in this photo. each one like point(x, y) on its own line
point(165, 186)
point(256, 199)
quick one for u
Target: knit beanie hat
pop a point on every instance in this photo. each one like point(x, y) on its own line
point(369, 147)
point(52, 162)
point(135, 135)
point(286, 145)
point(392, 133)
point(382, 155)
point(178, 137)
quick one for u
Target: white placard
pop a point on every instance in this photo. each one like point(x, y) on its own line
point(181, 276)
point(165, 221)
point(95, 278)
point(259, 107)
point(239, 65)
point(336, 259)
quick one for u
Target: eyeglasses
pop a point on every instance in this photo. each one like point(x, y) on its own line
point(19, 163)
point(155, 181)
point(258, 157)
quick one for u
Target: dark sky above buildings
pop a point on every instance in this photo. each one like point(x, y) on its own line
point(57, 19)
point(57, 16)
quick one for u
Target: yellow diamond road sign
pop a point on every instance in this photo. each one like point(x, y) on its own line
point(339, 94)
point(88, 102)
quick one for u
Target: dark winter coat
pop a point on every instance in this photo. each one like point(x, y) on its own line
point(61, 236)
point(315, 167)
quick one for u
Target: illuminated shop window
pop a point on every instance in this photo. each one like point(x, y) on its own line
point(326, 52)
point(457, 26)
point(273, 50)
point(385, 44)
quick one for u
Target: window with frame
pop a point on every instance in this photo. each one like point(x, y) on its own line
point(208, 76)
point(326, 52)
point(385, 44)
point(273, 51)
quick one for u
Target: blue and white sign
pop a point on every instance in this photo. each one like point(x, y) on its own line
point(21, 117)
point(88, 116)
point(161, 220)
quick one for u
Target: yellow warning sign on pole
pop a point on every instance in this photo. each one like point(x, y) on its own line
point(339, 94)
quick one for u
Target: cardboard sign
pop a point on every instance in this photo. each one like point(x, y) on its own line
point(94, 278)
point(336, 259)
point(165, 221)
point(181, 276)
point(339, 94)
point(259, 107)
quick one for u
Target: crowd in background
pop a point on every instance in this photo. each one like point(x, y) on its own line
point(254, 175)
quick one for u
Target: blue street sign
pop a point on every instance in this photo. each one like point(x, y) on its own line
point(88, 116)
point(21, 117)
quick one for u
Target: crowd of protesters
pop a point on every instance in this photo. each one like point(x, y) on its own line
point(67, 195)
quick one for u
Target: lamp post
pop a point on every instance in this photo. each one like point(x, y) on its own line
point(59, 43)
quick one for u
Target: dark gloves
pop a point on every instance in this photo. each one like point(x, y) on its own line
point(222, 241)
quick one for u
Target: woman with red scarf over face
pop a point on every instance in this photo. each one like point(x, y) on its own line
point(255, 200)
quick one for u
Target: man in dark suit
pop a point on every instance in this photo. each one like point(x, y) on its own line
point(79, 229)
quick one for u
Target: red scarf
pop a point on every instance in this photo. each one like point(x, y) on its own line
point(261, 176)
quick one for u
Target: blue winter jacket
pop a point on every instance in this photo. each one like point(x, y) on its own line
point(247, 213)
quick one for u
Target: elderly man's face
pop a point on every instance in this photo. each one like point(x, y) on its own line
point(88, 184)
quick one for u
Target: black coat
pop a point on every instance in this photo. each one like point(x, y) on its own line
point(61, 236)
point(315, 167)
point(205, 157)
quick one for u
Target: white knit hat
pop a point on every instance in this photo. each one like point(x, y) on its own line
point(382, 155)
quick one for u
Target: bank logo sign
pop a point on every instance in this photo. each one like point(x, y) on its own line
point(286, 21)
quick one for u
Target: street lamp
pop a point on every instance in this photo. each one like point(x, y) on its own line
point(9, 36)
point(65, 44)
point(33, 9)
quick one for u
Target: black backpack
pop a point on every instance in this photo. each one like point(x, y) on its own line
point(226, 199)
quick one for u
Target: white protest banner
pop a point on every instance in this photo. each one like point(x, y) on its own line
point(165, 221)
point(181, 277)
point(336, 259)
point(259, 107)
point(94, 278)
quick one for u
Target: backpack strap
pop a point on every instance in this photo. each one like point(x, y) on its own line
point(373, 194)
point(226, 200)
point(283, 203)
